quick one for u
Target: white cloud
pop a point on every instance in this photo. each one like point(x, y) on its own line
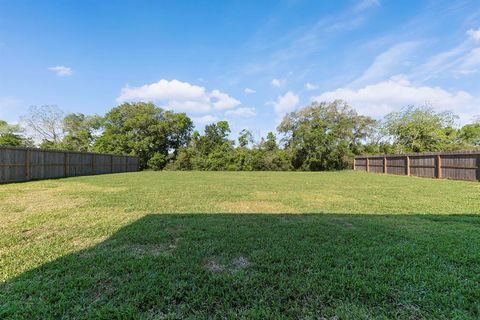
point(179, 96)
point(383, 97)
point(241, 113)
point(62, 71)
point(164, 90)
point(285, 103)
point(189, 105)
point(204, 120)
point(223, 100)
point(311, 86)
point(248, 90)
point(277, 82)
point(474, 34)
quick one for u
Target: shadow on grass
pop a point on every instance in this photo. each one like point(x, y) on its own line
point(262, 266)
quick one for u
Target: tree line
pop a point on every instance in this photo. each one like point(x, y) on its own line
point(321, 136)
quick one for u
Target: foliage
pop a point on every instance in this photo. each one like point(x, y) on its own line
point(420, 129)
point(324, 136)
point(144, 130)
point(12, 135)
point(470, 135)
point(321, 136)
point(80, 131)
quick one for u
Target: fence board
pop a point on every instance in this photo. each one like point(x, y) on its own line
point(23, 164)
point(449, 165)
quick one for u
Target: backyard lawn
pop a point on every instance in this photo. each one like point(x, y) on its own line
point(253, 245)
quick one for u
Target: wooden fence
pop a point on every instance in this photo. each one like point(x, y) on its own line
point(24, 164)
point(449, 165)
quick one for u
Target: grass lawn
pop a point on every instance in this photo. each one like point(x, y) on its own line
point(260, 245)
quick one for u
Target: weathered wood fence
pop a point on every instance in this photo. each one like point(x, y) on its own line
point(450, 165)
point(24, 164)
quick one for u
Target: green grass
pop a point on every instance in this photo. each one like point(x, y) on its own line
point(155, 245)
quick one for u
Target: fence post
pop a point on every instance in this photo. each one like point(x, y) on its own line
point(407, 163)
point(65, 164)
point(27, 164)
point(126, 163)
point(111, 163)
point(368, 165)
point(385, 165)
point(354, 163)
point(439, 167)
point(93, 163)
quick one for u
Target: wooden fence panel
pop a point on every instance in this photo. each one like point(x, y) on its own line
point(449, 165)
point(423, 166)
point(461, 167)
point(23, 164)
point(396, 165)
point(12, 165)
point(361, 164)
point(376, 165)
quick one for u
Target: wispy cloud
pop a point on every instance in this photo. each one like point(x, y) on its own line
point(249, 91)
point(367, 4)
point(62, 71)
point(386, 63)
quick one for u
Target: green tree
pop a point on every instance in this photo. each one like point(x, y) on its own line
point(469, 135)
point(324, 136)
point(144, 130)
point(245, 138)
point(80, 131)
point(420, 129)
point(12, 135)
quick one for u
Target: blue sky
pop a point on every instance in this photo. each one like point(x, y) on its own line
point(249, 62)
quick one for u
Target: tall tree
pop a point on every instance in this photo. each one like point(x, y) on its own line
point(144, 130)
point(323, 136)
point(47, 124)
point(420, 129)
point(80, 131)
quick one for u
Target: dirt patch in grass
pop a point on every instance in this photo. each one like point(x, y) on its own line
point(234, 266)
point(254, 207)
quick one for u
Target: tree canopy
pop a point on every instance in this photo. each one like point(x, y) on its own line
point(320, 136)
point(144, 130)
point(324, 136)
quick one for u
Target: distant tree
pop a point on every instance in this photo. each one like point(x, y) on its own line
point(80, 131)
point(469, 135)
point(245, 138)
point(324, 136)
point(47, 124)
point(420, 129)
point(12, 135)
point(144, 130)
point(270, 144)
